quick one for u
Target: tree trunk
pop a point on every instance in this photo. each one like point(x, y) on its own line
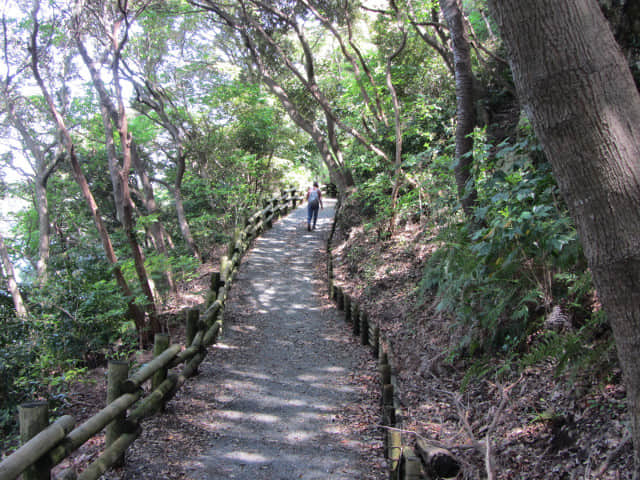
point(117, 115)
point(18, 302)
point(42, 172)
point(452, 12)
point(156, 228)
point(577, 89)
point(182, 217)
point(135, 313)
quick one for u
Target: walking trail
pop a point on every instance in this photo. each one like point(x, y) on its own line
point(284, 392)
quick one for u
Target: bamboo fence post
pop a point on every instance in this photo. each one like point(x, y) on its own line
point(160, 344)
point(394, 451)
point(117, 373)
point(34, 417)
point(364, 328)
point(355, 318)
point(193, 318)
point(225, 269)
point(347, 308)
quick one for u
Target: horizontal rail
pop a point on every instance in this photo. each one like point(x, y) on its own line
point(48, 438)
point(58, 441)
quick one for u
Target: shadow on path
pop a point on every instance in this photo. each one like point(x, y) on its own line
point(284, 368)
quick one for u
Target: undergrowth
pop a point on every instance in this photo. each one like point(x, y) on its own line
point(513, 278)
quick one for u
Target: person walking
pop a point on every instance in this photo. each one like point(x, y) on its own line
point(314, 203)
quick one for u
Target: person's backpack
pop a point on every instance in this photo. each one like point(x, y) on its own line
point(314, 198)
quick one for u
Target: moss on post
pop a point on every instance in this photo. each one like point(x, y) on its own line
point(193, 318)
point(160, 344)
point(117, 373)
point(34, 417)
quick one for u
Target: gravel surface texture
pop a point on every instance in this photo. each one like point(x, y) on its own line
point(287, 392)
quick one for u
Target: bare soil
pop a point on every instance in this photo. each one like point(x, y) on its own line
point(538, 425)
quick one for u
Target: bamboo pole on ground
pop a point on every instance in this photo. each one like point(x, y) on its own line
point(117, 373)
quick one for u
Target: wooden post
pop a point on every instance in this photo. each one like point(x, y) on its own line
point(193, 317)
point(347, 307)
point(339, 298)
point(385, 373)
point(160, 344)
point(375, 342)
point(364, 328)
point(294, 197)
point(225, 269)
point(34, 417)
point(394, 451)
point(411, 467)
point(216, 282)
point(117, 373)
point(355, 318)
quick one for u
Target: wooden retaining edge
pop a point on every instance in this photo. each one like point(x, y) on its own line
point(405, 462)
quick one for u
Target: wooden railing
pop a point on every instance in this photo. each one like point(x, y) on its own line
point(45, 446)
point(404, 461)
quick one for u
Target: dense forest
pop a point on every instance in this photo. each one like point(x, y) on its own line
point(138, 133)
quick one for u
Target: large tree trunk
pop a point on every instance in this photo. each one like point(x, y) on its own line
point(117, 115)
point(18, 302)
point(577, 89)
point(452, 12)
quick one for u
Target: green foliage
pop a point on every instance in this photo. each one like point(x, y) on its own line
point(500, 274)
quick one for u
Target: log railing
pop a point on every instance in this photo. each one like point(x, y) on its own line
point(45, 446)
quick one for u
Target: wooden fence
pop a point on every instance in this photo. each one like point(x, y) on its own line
point(45, 446)
point(409, 457)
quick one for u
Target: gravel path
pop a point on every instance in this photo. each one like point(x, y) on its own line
point(286, 393)
point(285, 371)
